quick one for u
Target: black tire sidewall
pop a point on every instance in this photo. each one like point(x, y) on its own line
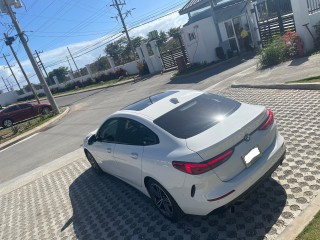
point(177, 212)
point(94, 165)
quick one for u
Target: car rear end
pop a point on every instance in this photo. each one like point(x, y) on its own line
point(241, 147)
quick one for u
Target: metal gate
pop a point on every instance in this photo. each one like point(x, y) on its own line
point(169, 57)
point(274, 17)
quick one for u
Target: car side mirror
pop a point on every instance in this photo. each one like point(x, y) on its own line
point(92, 139)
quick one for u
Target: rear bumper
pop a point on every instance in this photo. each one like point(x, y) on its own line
point(245, 194)
point(231, 191)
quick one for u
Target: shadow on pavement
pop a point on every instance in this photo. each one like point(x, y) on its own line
point(298, 61)
point(107, 208)
point(224, 66)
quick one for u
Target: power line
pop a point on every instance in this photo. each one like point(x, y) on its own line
point(106, 40)
point(118, 6)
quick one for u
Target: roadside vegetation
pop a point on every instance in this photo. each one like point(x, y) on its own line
point(312, 231)
point(16, 130)
point(281, 49)
point(315, 79)
point(99, 81)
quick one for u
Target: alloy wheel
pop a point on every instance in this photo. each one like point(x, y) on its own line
point(161, 200)
point(7, 123)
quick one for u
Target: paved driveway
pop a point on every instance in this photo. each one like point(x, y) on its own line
point(74, 203)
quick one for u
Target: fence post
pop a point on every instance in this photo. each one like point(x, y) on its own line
point(302, 19)
point(157, 54)
point(112, 64)
point(147, 57)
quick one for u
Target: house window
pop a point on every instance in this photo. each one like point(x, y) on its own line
point(192, 36)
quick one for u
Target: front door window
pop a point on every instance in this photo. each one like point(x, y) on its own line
point(231, 36)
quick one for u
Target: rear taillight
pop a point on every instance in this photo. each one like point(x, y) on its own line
point(199, 168)
point(268, 123)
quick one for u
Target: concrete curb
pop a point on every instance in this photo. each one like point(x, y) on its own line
point(292, 231)
point(32, 131)
point(310, 86)
point(42, 171)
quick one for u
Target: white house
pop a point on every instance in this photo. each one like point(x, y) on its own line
point(217, 23)
point(214, 24)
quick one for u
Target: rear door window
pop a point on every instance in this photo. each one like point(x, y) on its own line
point(132, 132)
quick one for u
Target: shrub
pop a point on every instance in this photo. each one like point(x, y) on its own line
point(143, 68)
point(281, 49)
point(87, 82)
point(120, 72)
point(69, 86)
point(293, 44)
point(111, 76)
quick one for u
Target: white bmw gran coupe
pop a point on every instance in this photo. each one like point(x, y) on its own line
point(191, 152)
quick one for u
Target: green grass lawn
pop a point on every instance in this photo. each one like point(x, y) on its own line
point(312, 231)
point(307, 80)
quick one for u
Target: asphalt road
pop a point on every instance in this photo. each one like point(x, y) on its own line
point(89, 109)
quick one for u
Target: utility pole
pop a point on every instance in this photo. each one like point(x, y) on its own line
point(74, 61)
point(33, 62)
point(9, 66)
point(41, 63)
point(5, 84)
point(69, 64)
point(117, 6)
point(21, 68)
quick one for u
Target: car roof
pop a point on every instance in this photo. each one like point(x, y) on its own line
point(153, 110)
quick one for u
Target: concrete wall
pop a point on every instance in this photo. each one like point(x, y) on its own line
point(8, 98)
point(202, 48)
point(130, 67)
point(302, 17)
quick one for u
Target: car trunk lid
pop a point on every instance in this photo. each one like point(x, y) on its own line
point(228, 134)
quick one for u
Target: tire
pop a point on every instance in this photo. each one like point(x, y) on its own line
point(7, 123)
point(95, 166)
point(164, 201)
point(45, 110)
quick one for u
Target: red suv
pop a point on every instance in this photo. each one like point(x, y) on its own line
point(21, 112)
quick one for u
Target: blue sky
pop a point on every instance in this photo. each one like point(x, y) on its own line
point(83, 25)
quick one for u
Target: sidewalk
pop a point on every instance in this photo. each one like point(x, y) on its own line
point(278, 76)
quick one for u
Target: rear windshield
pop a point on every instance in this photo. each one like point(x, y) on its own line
point(197, 115)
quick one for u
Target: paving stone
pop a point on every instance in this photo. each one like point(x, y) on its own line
point(75, 203)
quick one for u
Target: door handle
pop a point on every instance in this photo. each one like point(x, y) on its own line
point(134, 155)
point(109, 150)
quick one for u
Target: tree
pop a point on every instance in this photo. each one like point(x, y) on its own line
point(174, 32)
point(120, 50)
point(100, 64)
point(163, 37)
point(116, 48)
point(61, 73)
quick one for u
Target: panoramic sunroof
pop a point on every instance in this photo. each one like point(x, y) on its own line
point(142, 104)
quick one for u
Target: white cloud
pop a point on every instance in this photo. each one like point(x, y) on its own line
point(58, 54)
